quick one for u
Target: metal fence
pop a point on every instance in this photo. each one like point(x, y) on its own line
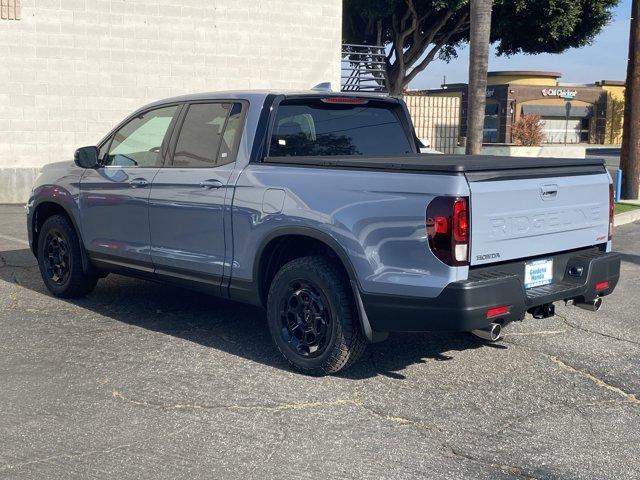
point(363, 68)
point(436, 120)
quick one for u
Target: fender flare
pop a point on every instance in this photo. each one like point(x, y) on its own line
point(87, 266)
point(336, 247)
point(305, 232)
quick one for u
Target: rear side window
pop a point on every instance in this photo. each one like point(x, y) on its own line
point(315, 127)
point(209, 135)
point(231, 136)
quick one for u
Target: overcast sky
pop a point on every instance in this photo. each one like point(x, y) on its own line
point(605, 59)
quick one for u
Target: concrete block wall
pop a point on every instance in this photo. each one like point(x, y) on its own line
point(71, 69)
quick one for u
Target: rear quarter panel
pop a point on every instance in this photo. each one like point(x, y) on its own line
point(377, 218)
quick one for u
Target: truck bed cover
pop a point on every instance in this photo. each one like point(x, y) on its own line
point(436, 162)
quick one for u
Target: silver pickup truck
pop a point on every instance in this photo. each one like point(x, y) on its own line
point(319, 207)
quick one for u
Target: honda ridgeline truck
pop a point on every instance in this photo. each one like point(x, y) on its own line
point(319, 207)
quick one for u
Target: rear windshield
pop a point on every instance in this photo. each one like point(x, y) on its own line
point(314, 127)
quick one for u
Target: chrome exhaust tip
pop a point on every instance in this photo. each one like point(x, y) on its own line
point(492, 333)
point(592, 306)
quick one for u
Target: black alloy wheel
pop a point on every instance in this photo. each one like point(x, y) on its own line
point(312, 316)
point(56, 262)
point(60, 259)
point(306, 319)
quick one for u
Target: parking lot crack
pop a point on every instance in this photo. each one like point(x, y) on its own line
point(301, 406)
point(272, 408)
point(401, 420)
point(538, 333)
point(567, 322)
point(63, 455)
point(546, 411)
point(503, 467)
point(628, 397)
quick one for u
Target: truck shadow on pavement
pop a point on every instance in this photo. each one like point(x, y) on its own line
point(234, 328)
point(627, 257)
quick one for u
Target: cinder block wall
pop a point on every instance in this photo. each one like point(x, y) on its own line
point(71, 69)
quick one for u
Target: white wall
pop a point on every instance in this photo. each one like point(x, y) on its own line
point(71, 69)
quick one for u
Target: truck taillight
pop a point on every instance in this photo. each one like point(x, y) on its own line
point(612, 208)
point(447, 223)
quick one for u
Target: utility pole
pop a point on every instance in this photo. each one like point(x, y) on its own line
point(478, 65)
point(630, 155)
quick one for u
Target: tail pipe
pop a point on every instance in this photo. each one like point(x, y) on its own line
point(592, 305)
point(492, 333)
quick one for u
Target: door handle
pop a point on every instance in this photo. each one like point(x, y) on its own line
point(211, 183)
point(138, 183)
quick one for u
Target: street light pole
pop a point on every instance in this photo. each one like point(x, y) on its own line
point(630, 155)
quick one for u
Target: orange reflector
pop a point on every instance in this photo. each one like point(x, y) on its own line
point(602, 285)
point(497, 311)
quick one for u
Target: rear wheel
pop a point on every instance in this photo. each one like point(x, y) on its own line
point(312, 316)
point(60, 261)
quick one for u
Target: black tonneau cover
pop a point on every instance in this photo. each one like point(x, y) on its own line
point(476, 168)
point(437, 163)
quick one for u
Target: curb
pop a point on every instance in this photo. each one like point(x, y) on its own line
point(627, 217)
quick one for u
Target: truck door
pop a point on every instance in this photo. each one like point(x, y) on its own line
point(114, 199)
point(188, 196)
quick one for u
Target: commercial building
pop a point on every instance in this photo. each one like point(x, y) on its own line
point(71, 69)
point(571, 113)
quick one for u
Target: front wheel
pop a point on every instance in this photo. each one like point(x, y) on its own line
point(60, 261)
point(312, 316)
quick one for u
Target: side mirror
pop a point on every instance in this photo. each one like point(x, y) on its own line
point(87, 157)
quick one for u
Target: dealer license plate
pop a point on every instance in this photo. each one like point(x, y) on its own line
point(538, 272)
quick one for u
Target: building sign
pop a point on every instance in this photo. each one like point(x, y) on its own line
point(490, 93)
point(559, 92)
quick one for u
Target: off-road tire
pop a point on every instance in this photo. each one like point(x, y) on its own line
point(76, 283)
point(345, 340)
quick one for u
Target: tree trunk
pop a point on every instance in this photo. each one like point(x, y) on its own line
point(396, 81)
point(630, 155)
point(478, 65)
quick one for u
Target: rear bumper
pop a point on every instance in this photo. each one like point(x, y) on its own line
point(462, 306)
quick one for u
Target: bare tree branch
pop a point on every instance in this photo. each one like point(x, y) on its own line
point(411, 12)
point(417, 50)
point(436, 48)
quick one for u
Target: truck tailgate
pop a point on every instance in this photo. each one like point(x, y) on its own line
point(526, 217)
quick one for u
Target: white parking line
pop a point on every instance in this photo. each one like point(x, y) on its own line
point(14, 239)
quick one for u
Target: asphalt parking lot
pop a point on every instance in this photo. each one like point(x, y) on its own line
point(140, 380)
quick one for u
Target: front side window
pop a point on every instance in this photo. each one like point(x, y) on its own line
point(138, 143)
point(204, 141)
point(319, 127)
point(103, 150)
